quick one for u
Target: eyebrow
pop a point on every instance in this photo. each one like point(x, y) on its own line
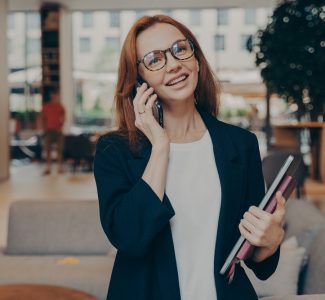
point(159, 50)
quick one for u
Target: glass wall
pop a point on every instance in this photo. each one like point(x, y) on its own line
point(96, 47)
point(97, 40)
point(24, 61)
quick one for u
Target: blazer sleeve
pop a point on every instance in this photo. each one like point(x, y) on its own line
point(255, 193)
point(131, 214)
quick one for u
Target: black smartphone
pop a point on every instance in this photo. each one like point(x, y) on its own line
point(157, 108)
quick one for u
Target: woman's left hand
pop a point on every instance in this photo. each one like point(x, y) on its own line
point(263, 229)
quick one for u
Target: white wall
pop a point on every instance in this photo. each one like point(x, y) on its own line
point(4, 95)
point(232, 58)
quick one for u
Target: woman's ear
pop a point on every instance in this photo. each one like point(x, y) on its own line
point(197, 66)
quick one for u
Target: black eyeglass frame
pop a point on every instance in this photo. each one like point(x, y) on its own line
point(139, 61)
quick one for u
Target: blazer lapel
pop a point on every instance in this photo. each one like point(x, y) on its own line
point(231, 175)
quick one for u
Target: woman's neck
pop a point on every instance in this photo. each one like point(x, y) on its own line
point(183, 123)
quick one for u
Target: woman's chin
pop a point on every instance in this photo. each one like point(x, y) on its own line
point(180, 96)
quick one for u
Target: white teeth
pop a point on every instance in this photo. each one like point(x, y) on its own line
point(177, 80)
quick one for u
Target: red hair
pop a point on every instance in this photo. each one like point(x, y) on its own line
point(206, 92)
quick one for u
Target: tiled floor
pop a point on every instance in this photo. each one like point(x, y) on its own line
point(27, 182)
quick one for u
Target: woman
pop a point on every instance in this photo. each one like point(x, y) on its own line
point(171, 197)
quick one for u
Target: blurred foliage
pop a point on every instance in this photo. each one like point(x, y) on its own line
point(290, 52)
point(228, 112)
point(30, 115)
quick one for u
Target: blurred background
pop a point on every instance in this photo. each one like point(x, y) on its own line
point(268, 56)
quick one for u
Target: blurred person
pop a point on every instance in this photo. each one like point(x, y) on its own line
point(53, 117)
point(172, 197)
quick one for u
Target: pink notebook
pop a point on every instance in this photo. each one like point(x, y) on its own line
point(243, 249)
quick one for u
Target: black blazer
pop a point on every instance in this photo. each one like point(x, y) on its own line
point(137, 222)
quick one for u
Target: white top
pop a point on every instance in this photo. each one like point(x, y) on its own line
point(193, 187)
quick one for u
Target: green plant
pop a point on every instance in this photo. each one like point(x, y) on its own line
point(290, 52)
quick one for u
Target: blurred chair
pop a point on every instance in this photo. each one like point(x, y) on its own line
point(80, 149)
point(272, 163)
point(30, 148)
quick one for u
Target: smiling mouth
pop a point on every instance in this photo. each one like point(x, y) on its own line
point(177, 80)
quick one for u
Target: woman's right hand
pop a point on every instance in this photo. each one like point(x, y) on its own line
point(144, 118)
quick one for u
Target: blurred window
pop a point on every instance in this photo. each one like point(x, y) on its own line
point(33, 21)
point(87, 19)
point(24, 62)
point(195, 17)
point(85, 45)
point(219, 42)
point(114, 19)
point(33, 46)
point(250, 16)
point(222, 16)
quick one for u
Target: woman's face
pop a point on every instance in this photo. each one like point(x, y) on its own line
point(177, 80)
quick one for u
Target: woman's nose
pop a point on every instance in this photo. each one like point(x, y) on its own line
point(172, 63)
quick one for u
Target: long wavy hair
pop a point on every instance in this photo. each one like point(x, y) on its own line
point(206, 92)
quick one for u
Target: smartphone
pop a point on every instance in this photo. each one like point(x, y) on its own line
point(157, 108)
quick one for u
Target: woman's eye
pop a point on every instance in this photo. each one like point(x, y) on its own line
point(180, 49)
point(154, 61)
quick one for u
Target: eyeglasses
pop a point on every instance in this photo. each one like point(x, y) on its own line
point(157, 59)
